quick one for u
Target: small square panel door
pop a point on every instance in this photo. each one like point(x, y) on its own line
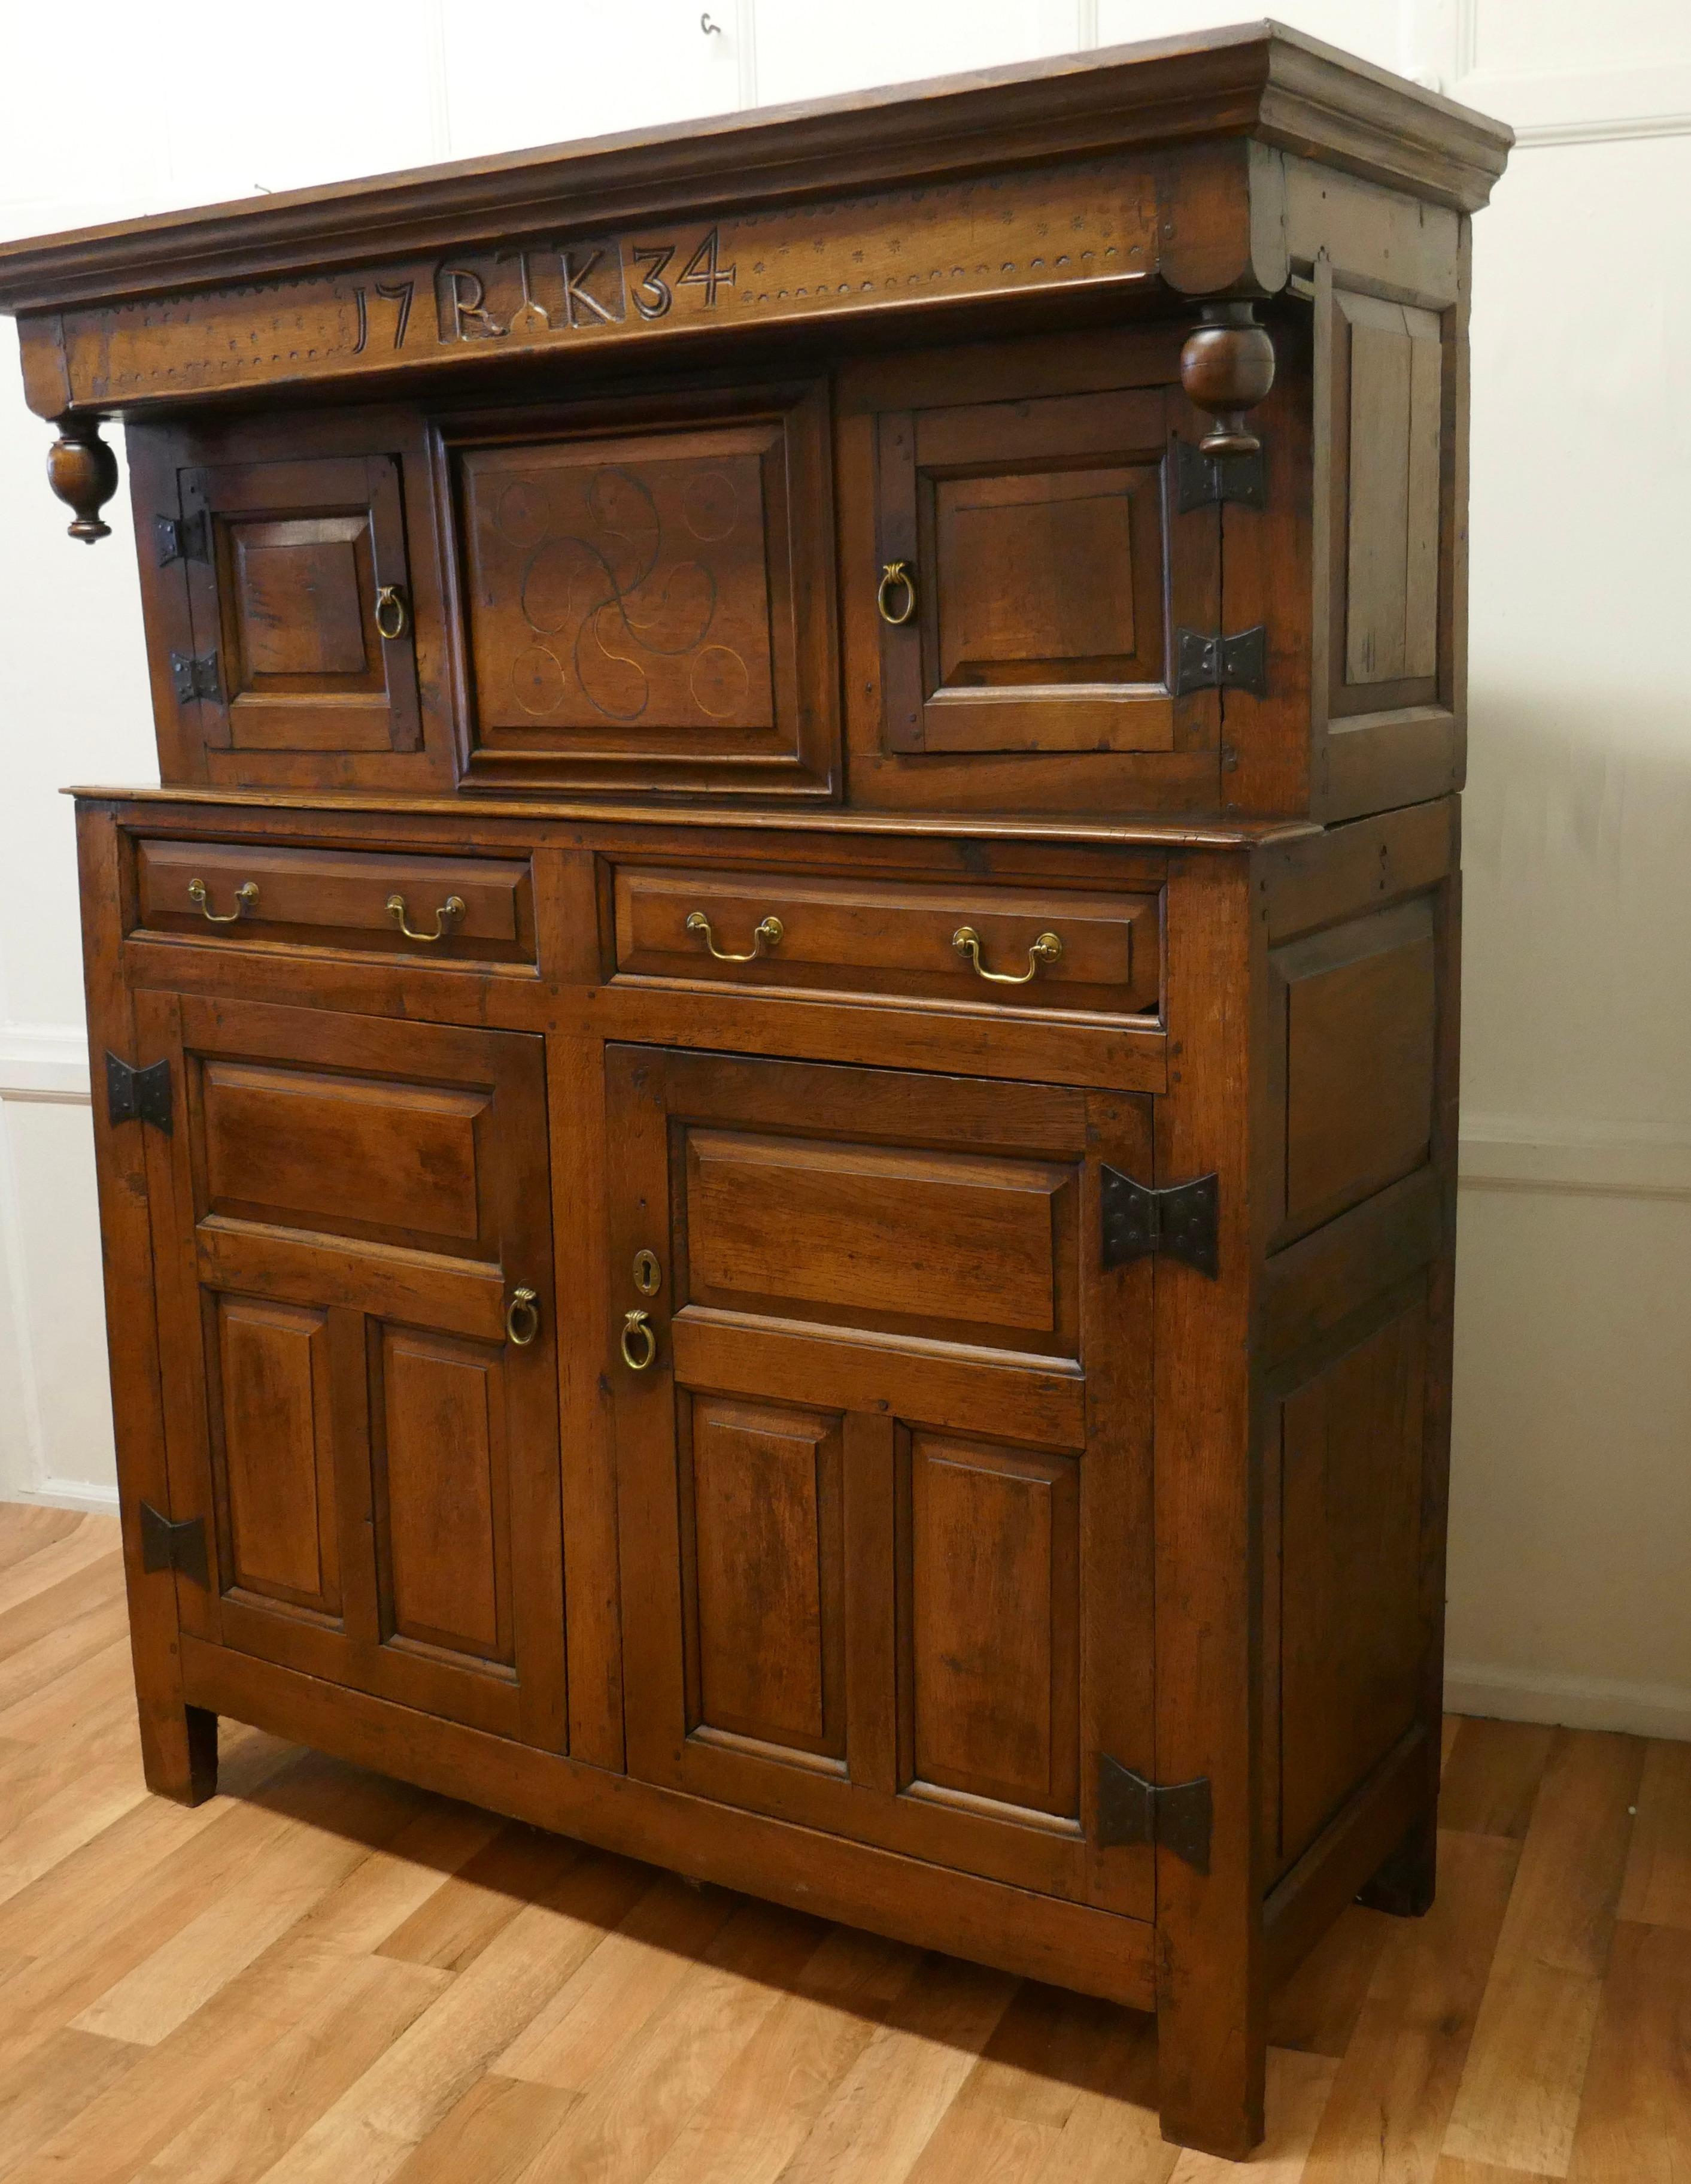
point(354, 1267)
point(649, 601)
point(300, 606)
point(883, 1437)
point(1034, 566)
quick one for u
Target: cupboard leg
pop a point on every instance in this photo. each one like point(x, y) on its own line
point(1210, 2070)
point(1405, 1884)
point(178, 1752)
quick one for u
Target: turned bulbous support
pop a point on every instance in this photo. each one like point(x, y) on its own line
point(1226, 367)
point(83, 471)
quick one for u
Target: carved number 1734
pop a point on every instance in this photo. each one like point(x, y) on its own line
point(398, 292)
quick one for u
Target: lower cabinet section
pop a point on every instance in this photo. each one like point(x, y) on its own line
point(883, 1441)
point(353, 1255)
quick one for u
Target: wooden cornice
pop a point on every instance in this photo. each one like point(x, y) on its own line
point(1258, 81)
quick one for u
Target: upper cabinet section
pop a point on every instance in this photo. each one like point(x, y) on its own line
point(1086, 436)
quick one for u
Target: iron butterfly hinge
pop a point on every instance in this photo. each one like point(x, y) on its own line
point(1171, 1816)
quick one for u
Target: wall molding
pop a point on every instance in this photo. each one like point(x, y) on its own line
point(1541, 1153)
point(1506, 1694)
point(44, 1061)
point(70, 1494)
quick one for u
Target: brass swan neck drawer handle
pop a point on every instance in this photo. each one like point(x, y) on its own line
point(768, 935)
point(896, 577)
point(522, 1317)
point(393, 615)
point(245, 899)
point(639, 1343)
point(445, 918)
point(1047, 949)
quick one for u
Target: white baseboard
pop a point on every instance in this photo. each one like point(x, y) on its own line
point(44, 1061)
point(70, 1494)
point(1569, 1701)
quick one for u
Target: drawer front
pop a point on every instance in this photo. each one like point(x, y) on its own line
point(337, 899)
point(892, 938)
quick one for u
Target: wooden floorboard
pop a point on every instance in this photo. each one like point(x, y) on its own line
point(322, 1977)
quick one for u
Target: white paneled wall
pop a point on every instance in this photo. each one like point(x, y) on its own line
point(1572, 1501)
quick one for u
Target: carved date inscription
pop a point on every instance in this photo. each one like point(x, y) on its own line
point(1061, 226)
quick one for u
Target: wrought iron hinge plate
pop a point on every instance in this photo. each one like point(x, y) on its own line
point(1182, 1222)
point(168, 1546)
point(1172, 1816)
point(1202, 481)
point(138, 1095)
point(182, 539)
point(195, 675)
point(1239, 662)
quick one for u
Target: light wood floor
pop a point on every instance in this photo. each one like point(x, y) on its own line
point(323, 1975)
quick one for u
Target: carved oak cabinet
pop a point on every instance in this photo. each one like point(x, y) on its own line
point(776, 1077)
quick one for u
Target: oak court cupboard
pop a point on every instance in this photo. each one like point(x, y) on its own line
point(775, 1078)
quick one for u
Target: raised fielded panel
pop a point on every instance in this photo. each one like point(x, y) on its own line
point(648, 599)
point(272, 1443)
point(884, 1565)
point(1349, 1443)
point(1355, 1019)
point(1388, 428)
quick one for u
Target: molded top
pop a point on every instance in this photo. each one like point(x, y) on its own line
point(1258, 81)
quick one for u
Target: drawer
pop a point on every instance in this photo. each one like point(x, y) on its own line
point(892, 937)
point(336, 898)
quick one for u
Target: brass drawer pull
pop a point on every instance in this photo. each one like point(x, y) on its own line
point(1047, 949)
point(522, 1317)
point(445, 918)
point(639, 1343)
point(245, 899)
point(769, 932)
point(393, 615)
point(896, 574)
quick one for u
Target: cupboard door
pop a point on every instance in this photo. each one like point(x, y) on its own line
point(883, 1427)
point(344, 1213)
point(1048, 566)
point(300, 605)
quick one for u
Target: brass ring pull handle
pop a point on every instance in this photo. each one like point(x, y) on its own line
point(1047, 949)
point(894, 576)
point(768, 933)
point(636, 1330)
point(393, 615)
point(445, 918)
point(245, 899)
point(522, 1317)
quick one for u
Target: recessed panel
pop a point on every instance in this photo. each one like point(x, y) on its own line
point(353, 1156)
point(965, 1245)
point(442, 1493)
point(991, 1622)
point(763, 1495)
point(274, 1443)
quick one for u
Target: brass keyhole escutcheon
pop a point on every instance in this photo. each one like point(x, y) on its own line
point(393, 615)
point(639, 1343)
point(649, 1275)
point(897, 579)
point(245, 899)
point(522, 1317)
